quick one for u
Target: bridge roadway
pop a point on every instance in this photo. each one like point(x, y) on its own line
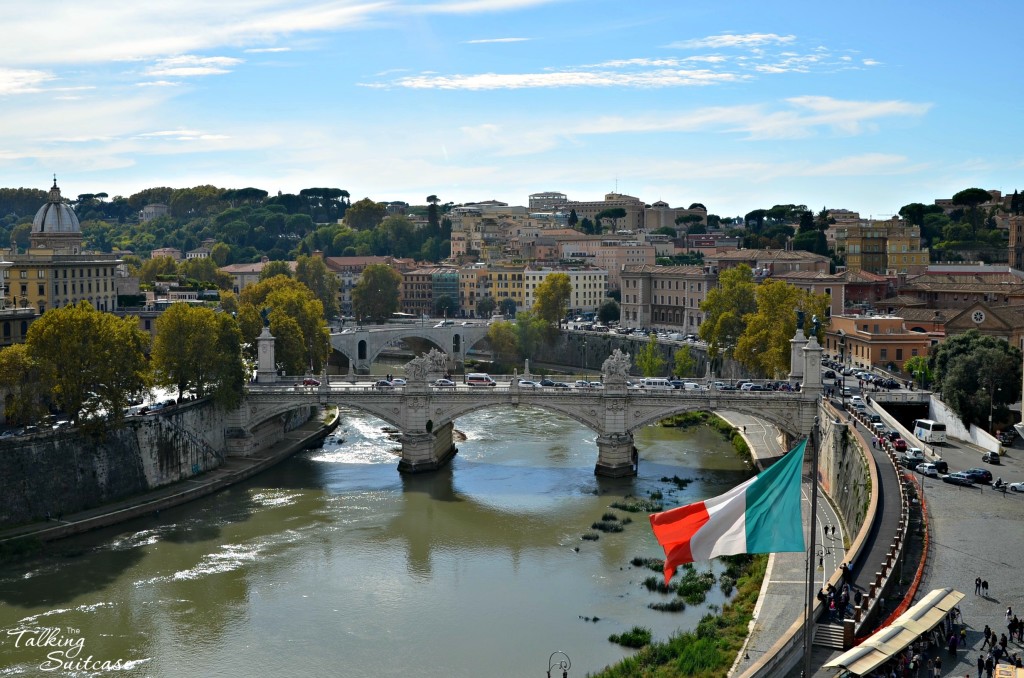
point(363, 344)
point(425, 414)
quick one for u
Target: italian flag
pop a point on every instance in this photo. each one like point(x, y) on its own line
point(760, 516)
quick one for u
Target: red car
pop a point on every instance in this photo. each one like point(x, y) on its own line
point(900, 445)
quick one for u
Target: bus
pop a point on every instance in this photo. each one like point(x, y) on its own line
point(928, 431)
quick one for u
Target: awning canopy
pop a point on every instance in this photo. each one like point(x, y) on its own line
point(888, 642)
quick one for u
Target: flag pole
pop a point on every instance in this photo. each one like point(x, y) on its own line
point(808, 634)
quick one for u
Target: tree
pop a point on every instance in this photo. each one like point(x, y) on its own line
point(156, 268)
point(608, 312)
point(221, 254)
point(587, 226)
point(976, 373)
point(90, 360)
point(375, 296)
point(530, 331)
point(552, 298)
point(504, 341)
point(507, 307)
point(296, 316)
point(572, 219)
point(971, 198)
point(20, 379)
point(613, 213)
point(764, 345)
point(365, 214)
point(433, 222)
point(445, 306)
point(275, 268)
point(917, 366)
point(190, 354)
point(724, 308)
point(649, 359)
point(314, 274)
point(684, 362)
point(485, 307)
point(204, 270)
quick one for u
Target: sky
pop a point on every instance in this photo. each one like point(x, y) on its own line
point(865, 106)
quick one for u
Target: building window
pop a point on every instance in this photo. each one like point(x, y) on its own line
point(899, 354)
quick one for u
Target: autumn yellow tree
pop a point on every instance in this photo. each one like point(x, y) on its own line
point(302, 340)
point(551, 298)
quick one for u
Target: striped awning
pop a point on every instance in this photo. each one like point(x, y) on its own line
point(908, 627)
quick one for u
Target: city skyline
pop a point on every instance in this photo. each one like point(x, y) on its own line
point(737, 107)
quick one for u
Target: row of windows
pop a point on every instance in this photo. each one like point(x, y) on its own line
point(63, 273)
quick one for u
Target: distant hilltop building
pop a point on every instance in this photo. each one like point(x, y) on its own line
point(154, 211)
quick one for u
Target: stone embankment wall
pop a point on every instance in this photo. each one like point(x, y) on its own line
point(68, 470)
point(588, 350)
point(843, 472)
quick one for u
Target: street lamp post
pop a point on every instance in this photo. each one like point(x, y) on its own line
point(559, 663)
point(583, 351)
point(991, 405)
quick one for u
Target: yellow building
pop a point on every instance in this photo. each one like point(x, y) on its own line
point(55, 271)
point(506, 282)
point(882, 247)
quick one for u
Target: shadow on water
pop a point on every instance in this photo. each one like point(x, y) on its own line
point(64, 575)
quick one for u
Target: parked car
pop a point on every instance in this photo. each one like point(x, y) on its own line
point(990, 457)
point(1016, 487)
point(900, 445)
point(958, 478)
point(310, 381)
point(979, 475)
point(927, 469)
point(875, 419)
point(894, 436)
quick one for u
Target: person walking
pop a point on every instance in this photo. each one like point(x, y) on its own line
point(1009, 613)
point(981, 665)
point(990, 666)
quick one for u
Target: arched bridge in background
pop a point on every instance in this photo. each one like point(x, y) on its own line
point(362, 345)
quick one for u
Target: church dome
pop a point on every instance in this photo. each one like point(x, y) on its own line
point(55, 216)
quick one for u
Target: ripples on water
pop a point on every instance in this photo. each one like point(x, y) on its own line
point(333, 563)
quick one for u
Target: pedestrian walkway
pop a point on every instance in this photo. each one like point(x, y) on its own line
point(232, 470)
point(781, 604)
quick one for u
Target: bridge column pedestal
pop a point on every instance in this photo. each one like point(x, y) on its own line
point(423, 452)
point(616, 456)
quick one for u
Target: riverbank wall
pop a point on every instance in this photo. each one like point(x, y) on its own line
point(53, 474)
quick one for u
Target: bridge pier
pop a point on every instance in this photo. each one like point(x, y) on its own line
point(617, 456)
point(427, 451)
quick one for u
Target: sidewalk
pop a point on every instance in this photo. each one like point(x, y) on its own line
point(231, 471)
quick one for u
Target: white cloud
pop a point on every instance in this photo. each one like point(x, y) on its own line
point(189, 65)
point(158, 83)
point(492, 81)
point(73, 32)
point(729, 40)
point(261, 50)
point(21, 81)
point(870, 62)
point(485, 41)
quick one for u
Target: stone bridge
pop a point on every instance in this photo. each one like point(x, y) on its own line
point(425, 415)
point(362, 346)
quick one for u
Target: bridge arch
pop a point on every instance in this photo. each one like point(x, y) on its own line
point(453, 413)
point(786, 424)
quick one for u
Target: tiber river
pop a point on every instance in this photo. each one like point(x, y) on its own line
point(334, 564)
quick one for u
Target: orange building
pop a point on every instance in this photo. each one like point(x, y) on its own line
point(875, 341)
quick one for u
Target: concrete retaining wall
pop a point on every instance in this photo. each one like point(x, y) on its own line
point(67, 471)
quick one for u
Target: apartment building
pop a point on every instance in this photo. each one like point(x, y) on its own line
point(769, 262)
point(589, 287)
point(634, 207)
point(666, 297)
point(661, 215)
point(875, 341)
point(883, 247)
point(422, 287)
point(348, 271)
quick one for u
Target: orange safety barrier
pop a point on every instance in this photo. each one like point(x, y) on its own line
point(918, 576)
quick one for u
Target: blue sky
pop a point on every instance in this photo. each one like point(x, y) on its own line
point(737, 105)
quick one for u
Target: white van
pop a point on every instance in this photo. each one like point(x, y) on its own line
point(653, 384)
point(692, 386)
point(479, 379)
